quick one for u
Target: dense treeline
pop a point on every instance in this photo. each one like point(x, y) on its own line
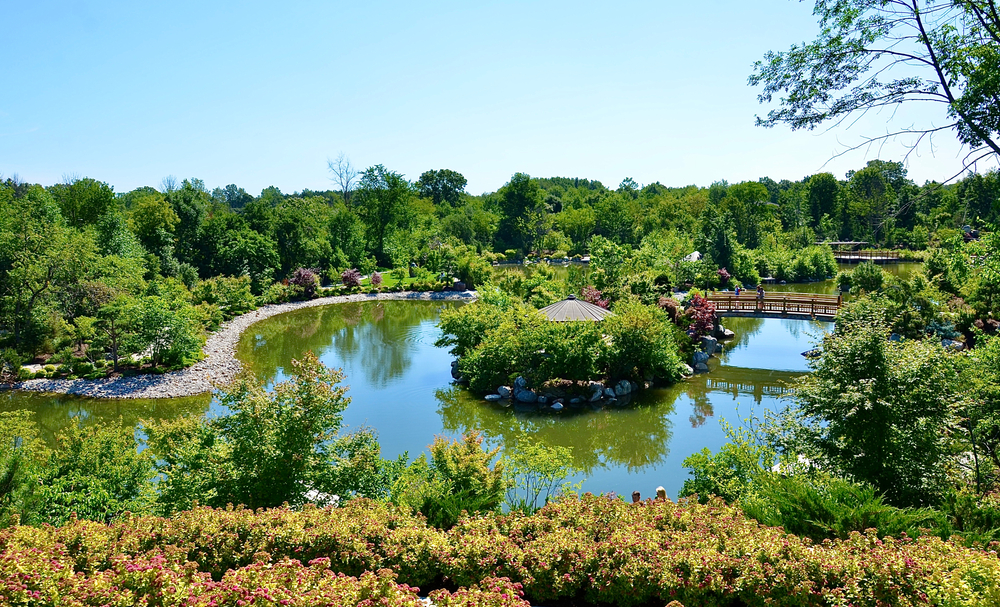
point(91, 275)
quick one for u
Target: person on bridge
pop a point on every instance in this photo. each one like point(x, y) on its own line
point(760, 297)
point(738, 290)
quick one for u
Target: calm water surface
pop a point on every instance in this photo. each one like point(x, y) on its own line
point(400, 385)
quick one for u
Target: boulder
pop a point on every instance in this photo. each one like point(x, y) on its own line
point(575, 401)
point(526, 396)
point(557, 406)
point(634, 386)
point(455, 374)
point(609, 393)
point(542, 399)
point(597, 389)
point(895, 337)
point(504, 391)
point(701, 368)
point(520, 383)
point(687, 370)
point(709, 344)
point(492, 398)
point(698, 358)
point(726, 334)
point(951, 344)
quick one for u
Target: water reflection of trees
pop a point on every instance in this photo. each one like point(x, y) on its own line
point(54, 412)
point(378, 338)
point(635, 438)
point(744, 328)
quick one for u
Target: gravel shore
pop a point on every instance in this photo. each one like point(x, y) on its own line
point(219, 366)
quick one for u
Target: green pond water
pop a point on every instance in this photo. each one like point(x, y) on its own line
point(400, 385)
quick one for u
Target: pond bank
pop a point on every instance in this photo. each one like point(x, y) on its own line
point(220, 365)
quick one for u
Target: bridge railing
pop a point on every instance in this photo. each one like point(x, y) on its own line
point(776, 304)
point(859, 256)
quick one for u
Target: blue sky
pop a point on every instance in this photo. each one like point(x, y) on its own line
point(261, 94)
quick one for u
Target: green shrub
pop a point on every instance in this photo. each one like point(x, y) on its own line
point(232, 296)
point(457, 480)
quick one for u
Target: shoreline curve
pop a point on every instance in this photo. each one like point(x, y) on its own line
point(220, 364)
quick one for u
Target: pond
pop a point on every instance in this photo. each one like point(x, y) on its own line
point(400, 385)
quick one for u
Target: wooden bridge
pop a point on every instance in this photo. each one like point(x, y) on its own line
point(805, 306)
point(872, 256)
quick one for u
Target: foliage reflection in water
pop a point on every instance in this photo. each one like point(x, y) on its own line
point(400, 385)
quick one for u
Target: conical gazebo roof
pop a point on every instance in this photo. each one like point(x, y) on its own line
point(572, 308)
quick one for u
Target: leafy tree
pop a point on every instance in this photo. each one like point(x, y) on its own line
point(823, 190)
point(383, 203)
point(876, 410)
point(84, 201)
point(522, 213)
point(152, 219)
point(95, 473)
point(272, 447)
point(191, 204)
point(444, 186)
point(873, 54)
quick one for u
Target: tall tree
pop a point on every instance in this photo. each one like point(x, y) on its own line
point(522, 212)
point(871, 54)
point(442, 186)
point(383, 202)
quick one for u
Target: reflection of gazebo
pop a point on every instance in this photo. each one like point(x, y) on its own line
point(572, 308)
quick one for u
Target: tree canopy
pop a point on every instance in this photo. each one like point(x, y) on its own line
point(872, 54)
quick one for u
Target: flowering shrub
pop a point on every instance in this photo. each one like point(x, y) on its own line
point(306, 281)
point(590, 549)
point(724, 276)
point(701, 315)
point(351, 278)
point(376, 279)
point(592, 295)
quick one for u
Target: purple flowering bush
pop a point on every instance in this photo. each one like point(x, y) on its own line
point(351, 278)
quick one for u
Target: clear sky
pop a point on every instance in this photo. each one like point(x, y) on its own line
point(263, 93)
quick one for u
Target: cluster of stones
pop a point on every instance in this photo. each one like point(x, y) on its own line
point(220, 366)
point(598, 395)
point(710, 346)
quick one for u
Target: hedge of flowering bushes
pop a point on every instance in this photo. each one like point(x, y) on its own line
point(593, 550)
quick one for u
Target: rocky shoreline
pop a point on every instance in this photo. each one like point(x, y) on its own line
point(219, 366)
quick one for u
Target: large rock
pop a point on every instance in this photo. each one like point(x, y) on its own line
point(721, 332)
point(557, 406)
point(698, 358)
point(492, 398)
point(623, 387)
point(504, 391)
point(951, 344)
point(520, 383)
point(455, 374)
point(542, 399)
point(597, 390)
point(526, 396)
point(709, 344)
point(687, 370)
point(609, 393)
point(701, 368)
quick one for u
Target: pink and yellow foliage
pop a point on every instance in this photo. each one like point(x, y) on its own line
point(587, 550)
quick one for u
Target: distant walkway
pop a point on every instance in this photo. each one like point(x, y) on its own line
point(805, 306)
point(220, 365)
point(879, 257)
